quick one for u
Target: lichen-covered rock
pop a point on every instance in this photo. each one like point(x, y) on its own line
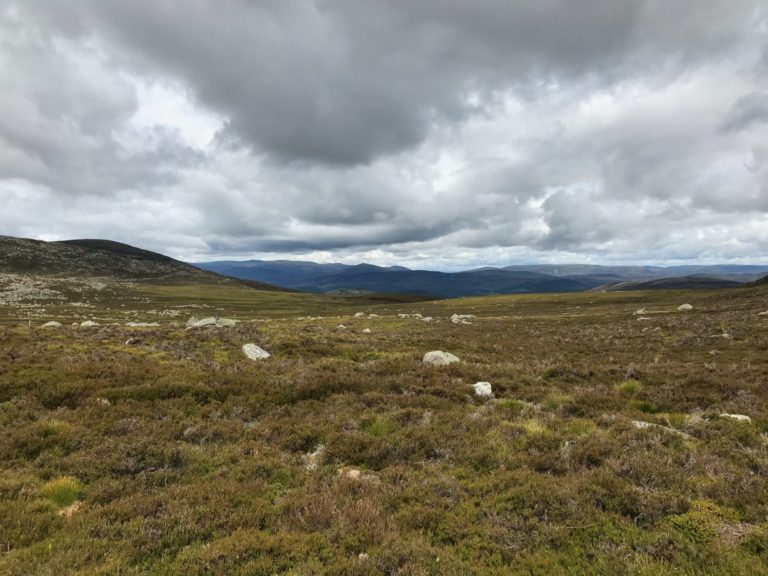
point(483, 390)
point(89, 324)
point(439, 358)
point(255, 352)
point(737, 417)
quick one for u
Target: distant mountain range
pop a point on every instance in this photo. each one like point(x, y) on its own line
point(313, 277)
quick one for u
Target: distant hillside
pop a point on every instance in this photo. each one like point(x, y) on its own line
point(693, 282)
point(100, 258)
point(312, 277)
point(340, 278)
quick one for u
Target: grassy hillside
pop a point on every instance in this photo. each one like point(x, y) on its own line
point(165, 451)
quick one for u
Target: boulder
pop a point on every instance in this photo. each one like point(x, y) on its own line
point(737, 417)
point(684, 308)
point(483, 390)
point(763, 313)
point(195, 323)
point(373, 315)
point(89, 324)
point(426, 319)
point(439, 358)
point(255, 352)
point(226, 323)
point(639, 312)
point(132, 341)
point(52, 324)
point(142, 324)
point(366, 330)
point(462, 318)
point(341, 327)
point(360, 315)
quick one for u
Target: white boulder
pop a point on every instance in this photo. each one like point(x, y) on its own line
point(483, 390)
point(737, 417)
point(52, 324)
point(684, 308)
point(89, 324)
point(255, 352)
point(360, 315)
point(142, 324)
point(439, 358)
point(226, 323)
point(366, 330)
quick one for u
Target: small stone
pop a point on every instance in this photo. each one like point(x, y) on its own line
point(142, 324)
point(737, 417)
point(52, 324)
point(483, 390)
point(639, 312)
point(255, 352)
point(684, 308)
point(341, 327)
point(439, 358)
point(314, 459)
point(363, 557)
point(373, 315)
point(89, 324)
point(427, 319)
point(132, 341)
point(360, 315)
point(366, 330)
point(763, 313)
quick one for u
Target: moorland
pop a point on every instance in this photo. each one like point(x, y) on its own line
point(623, 435)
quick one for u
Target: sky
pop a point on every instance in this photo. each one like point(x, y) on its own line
point(441, 134)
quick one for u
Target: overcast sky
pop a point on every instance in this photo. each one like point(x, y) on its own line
point(431, 133)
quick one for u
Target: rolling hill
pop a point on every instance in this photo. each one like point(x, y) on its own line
point(336, 278)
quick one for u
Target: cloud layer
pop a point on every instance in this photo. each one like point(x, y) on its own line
point(428, 133)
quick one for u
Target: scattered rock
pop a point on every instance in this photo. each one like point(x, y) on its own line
point(366, 330)
point(314, 459)
point(363, 557)
point(373, 315)
point(195, 323)
point(427, 319)
point(737, 417)
point(351, 473)
point(212, 321)
point(89, 324)
point(642, 318)
point(132, 341)
point(640, 312)
point(763, 313)
point(462, 318)
point(360, 315)
point(255, 352)
point(102, 402)
point(71, 510)
point(142, 324)
point(341, 327)
point(640, 425)
point(439, 358)
point(483, 390)
point(684, 308)
point(52, 324)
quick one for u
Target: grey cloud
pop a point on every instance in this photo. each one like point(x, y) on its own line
point(346, 82)
point(746, 112)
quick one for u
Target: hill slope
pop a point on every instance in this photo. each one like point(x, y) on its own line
point(100, 258)
point(683, 283)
